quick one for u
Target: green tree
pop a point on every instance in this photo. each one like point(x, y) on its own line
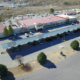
point(10, 30)
point(1, 19)
point(3, 70)
point(67, 21)
point(74, 45)
point(41, 58)
point(6, 32)
point(51, 10)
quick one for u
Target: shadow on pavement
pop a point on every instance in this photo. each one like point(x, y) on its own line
point(49, 65)
point(32, 49)
point(15, 38)
point(9, 76)
point(18, 37)
point(64, 55)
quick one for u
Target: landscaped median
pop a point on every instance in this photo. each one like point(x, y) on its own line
point(52, 59)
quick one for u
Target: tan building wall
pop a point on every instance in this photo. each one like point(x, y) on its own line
point(20, 30)
point(31, 27)
point(1, 35)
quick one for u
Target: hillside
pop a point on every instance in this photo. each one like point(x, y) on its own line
point(47, 2)
point(39, 6)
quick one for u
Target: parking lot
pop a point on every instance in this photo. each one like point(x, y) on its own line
point(30, 51)
point(46, 43)
point(18, 37)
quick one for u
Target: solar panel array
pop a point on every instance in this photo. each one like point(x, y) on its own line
point(38, 36)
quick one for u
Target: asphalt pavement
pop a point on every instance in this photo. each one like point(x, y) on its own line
point(31, 53)
point(68, 69)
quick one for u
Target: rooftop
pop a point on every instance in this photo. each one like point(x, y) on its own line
point(71, 12)
point(1, 27)
point(66, 16)
point(42, 20)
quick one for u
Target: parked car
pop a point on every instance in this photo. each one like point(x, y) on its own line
point(13, 49)
point(72, 23)
point(65, 33)
point(54, 37)
point(72, 32)
point(26, 34)
point(40, 42)
point(77, 22)
point(10, 37)
point(68, 33)
point(17, 49)
point(31, 33)
point(15, 37)
point(48, 39)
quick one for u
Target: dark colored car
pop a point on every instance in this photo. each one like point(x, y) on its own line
point(77, 22)
point(54, 37)
point(17, 49)
point(13, 49)
point(48, 39)
point(74, 31)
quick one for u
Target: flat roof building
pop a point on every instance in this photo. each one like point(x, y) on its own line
point(42, 20)
point(71, 18)
point(24, 25)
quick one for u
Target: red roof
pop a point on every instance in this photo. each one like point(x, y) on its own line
point(30, 22)
point(1, 27)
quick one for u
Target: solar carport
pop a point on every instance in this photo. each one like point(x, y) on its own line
point(39, 36)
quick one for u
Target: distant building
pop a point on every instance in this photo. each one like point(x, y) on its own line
point(71, 18)
point(70, 13)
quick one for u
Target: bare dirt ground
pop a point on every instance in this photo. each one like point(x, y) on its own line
point(33, 66)
point(6, 13)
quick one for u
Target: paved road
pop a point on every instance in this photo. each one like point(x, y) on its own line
point(68, 69)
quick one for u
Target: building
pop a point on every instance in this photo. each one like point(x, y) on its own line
point(71, 18)
point(43, 22)
point(70, 13)
point(24, 24)
point(1, 30)
point(77, 11)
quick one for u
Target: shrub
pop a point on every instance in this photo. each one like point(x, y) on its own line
point(3, 70)
point(10, 30)
point(74, 45)
point(67, 21)
point(41, 58)
point(61, 52)
point(1, 19)
point(66, 3)
point(51, 10)
point(6, 32)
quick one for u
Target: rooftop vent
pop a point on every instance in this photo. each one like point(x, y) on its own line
point(34, 23)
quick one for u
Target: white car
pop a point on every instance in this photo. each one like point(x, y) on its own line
point(26, 35)
point(31, 33)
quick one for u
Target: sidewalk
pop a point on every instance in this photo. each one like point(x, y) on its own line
point(6, 59)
